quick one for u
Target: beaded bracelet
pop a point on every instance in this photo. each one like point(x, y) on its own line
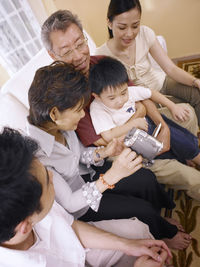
point(110, 186)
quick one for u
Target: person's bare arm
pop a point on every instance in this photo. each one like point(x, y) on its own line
point(179, 112)
point(176, 73)
point(140, 111)
point(123, 129)
point(164, 134)
point(92, 237)
point(100, 142)
point(136, 120)
point(123, 165)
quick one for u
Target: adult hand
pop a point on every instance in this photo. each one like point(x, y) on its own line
point(147, 261)
point(197, 83)
point(113, 148)
point(180, 113)
point(124, 165)
point(164, 137)
point(142, 247)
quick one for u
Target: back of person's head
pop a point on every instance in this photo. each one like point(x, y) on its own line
point(108, 72)
point(20, 191)
point(58, 21)
point(57, 85)
point(117, 7)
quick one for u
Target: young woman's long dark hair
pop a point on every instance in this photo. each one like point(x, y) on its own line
point(117, 7)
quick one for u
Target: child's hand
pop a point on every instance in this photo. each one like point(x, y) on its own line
point(140, 123)
point(180, 113)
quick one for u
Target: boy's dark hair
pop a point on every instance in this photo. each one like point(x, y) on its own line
point(57, 85)
point(20, 191)
point(107, 72)
point(117, 7)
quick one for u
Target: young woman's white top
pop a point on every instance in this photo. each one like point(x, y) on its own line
point(142, 72)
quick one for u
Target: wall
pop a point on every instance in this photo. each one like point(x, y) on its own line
point(177, 20)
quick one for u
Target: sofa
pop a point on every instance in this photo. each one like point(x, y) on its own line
point(14, 93)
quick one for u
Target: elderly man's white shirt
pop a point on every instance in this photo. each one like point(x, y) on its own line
point(56, 245)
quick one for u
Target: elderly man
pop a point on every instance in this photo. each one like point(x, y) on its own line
point(63, 37)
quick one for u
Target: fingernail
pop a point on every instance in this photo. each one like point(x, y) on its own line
point(159, 258)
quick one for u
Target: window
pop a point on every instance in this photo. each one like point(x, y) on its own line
point(19, 34)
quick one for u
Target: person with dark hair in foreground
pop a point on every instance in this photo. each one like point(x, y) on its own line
point(38, 232)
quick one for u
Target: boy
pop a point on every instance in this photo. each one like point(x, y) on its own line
point(35, 230)
point(115, 104)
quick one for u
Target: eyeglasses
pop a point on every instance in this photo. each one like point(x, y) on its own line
point(80, 46)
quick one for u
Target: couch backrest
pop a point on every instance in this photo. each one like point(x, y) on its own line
point(14, 94)
point(19, 84)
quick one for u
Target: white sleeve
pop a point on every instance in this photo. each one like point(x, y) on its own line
point(101, 120)
point(87, 195)
point(71, 201)
point(148, 35)
point(62, 213)
point(87, 156)
point(139, 93)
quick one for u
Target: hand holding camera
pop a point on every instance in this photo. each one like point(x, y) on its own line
point(123, 165)
point(143, 143)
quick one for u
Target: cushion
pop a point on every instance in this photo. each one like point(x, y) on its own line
point(12, 113)
point(18, 85)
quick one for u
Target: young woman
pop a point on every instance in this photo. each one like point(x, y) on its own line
point(131, 43)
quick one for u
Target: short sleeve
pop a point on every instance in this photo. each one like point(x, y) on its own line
point(101, 119)
point(147, 35)
point(70, 201)
point(139, 93)
point(61, 212)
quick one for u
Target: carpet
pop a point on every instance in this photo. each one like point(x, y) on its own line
point(187, 210)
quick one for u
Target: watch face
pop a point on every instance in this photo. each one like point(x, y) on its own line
point(98, 155)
